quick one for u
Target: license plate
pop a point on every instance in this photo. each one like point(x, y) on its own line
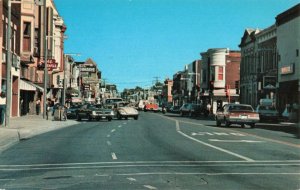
point(243, 116)
point(103, 117)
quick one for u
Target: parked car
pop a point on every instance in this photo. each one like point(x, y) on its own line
point(188, 109)
point(241, 114)
point(151, 107)
point(267, 113)
point(291, 113)
point(91, 111)
point(72, 110)
point(175, 109)
point(122, 110)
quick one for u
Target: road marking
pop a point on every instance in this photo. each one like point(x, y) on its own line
point(238, 141)
point(131, 179)
point(217, 133)
point(120, 126)
point(212, 146)
point(108, 136)
point(247, 134)
point(113, 130)
point(174, 173)
point(113, 155)
point(124, 123)
point(108, 143)
point(150, 187)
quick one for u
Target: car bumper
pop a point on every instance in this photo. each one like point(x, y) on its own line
point(243, 121)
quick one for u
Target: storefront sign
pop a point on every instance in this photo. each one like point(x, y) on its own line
point(88, 69)
point(51, 64)
point(290, 69)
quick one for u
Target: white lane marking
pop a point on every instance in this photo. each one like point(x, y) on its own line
point(172, 173)
point(234, 141)
point(150, 187)
point(216, 133)
point(7, 180)
point(131, 179)
point(124, 123)
point(113, 130)
point(120, 126)
point(157, 162)
point(108, 143)
point(212, 146)
point(113, 155)
point(108, 136)
point(141, 166)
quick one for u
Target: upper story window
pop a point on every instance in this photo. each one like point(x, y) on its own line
point(220, 73)
point(27, 36)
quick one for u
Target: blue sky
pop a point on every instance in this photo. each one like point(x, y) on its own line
point(133, 41)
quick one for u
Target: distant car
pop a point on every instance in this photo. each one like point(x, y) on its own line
point(90, 112)
point(241, 114)
point(175, 109)
point(267, 113)
point(122, 110)
point(72, 110)
point(188, 109)
point(151, 107)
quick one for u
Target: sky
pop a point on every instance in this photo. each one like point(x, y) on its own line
point(135, 42)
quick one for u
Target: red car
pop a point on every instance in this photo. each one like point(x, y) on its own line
point(241, 114)
point(151, 107)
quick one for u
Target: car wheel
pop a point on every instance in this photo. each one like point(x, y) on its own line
point(89, 118)
point(119, 116)
point(109, 118)
point(78, 117)
point(126, 118)
point(181, 113)
point(218, 123)
point(190, 114)
point(136, 117)
point(227, 123)
point(252, 125)
point(243, 125)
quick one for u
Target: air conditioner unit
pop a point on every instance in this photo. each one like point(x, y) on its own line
point(3, 57)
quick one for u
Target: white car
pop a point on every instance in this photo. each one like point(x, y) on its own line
point(122, 110)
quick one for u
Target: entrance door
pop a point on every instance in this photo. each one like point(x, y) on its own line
point(15, 97)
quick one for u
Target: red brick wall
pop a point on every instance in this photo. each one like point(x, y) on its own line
point(233, 61)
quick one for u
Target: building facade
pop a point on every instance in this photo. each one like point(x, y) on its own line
point(288, 40)
point(220, 69)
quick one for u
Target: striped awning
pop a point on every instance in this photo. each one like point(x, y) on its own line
point(29, 86)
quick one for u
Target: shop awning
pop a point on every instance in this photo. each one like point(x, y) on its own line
point(29, 86)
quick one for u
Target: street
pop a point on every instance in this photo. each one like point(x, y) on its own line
point(155, 152)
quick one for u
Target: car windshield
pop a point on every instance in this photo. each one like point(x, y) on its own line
point(240, 108)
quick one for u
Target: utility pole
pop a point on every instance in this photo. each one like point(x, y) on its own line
point(45, 60)
point(8, 68)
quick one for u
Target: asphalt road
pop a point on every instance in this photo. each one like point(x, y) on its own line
point(155, 152)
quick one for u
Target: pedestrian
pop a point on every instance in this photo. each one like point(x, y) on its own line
point(38, 106)
point(208, 107)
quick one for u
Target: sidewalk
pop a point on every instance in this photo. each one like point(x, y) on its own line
point(26, 127)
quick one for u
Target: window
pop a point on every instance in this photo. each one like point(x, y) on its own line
point(27, 36)
point(220, 73)
point(4, 33)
